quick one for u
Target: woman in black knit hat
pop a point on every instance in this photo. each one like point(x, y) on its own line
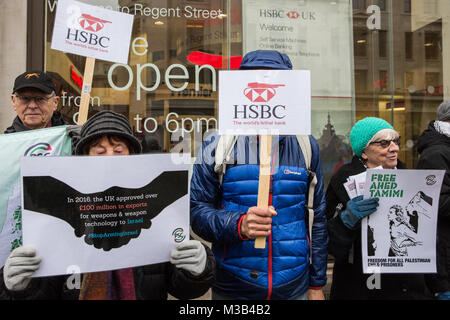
point(189, 274)
point(110, 127)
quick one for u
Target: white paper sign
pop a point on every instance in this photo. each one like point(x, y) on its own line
point(355, 184)
point(274, 102)
point(400, 237)
point(105, 213)
point(92, 31)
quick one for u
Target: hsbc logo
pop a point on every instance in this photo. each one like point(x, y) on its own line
point(88, 36)
point(293, 15)
point(86, 29)
point(261, 92)
point(266, 13)
point(90, 23)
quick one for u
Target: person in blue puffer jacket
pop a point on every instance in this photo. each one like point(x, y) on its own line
point(225, 213)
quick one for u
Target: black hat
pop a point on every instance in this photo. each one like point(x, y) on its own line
point(34, 79)
point(107, 123)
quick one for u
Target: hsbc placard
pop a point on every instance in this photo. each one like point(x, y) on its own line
point(274, 102)
point(92, 31)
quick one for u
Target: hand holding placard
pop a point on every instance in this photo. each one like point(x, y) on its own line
point(265, 103)
point(357, 209)
point(19, 267)
point(257, 222)
point(189, 255)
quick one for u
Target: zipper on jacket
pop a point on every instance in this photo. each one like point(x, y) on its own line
point(270, 278)
point(269, 293)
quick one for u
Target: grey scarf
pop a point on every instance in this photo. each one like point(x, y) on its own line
point(443, 127)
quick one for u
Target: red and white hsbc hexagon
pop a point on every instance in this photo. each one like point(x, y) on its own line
point(90, 23)
point(265, 102)
point(293, 14)
point(261, 92)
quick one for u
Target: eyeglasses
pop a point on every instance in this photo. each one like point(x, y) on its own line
point(40, 101)
point(387, 143)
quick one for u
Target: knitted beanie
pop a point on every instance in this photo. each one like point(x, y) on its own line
point(107, 123)
point(364, 130)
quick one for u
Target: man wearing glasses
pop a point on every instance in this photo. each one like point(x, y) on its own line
point(35, 101)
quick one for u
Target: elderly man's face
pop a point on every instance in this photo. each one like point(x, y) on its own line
point(34, 107)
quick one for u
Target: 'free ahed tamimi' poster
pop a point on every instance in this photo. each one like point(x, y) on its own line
point(400, 237)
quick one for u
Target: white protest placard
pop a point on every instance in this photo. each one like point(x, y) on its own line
point(273, 102)
point(400, 237)
point(116, 212)
point(350, 187)
point(92, 31)
point(355, 184)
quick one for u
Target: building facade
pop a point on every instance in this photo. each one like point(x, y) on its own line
point(379, 58)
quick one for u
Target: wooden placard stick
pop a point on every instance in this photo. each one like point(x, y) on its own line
point(86, 90)
point(265, 156)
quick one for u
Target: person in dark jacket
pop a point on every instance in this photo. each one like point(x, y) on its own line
point(375, 143)
point(434, 150)
point(35, 101)
point(226, 214)
point(189, 274)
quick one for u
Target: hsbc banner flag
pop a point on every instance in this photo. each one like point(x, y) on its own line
point(14, 146)
point(92, 31)
point(271, 102)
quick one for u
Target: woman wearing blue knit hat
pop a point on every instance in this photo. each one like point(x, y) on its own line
point(375, 143)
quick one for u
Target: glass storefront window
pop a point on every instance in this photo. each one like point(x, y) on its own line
point(367, 58)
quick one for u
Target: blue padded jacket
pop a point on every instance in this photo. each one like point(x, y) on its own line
point(282, 269)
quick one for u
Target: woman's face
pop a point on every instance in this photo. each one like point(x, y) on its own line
point(109, 147)
point(382, 153)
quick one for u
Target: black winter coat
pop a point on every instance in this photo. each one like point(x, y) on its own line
point(349, 281)
point(434, 150)
point(152, 282)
